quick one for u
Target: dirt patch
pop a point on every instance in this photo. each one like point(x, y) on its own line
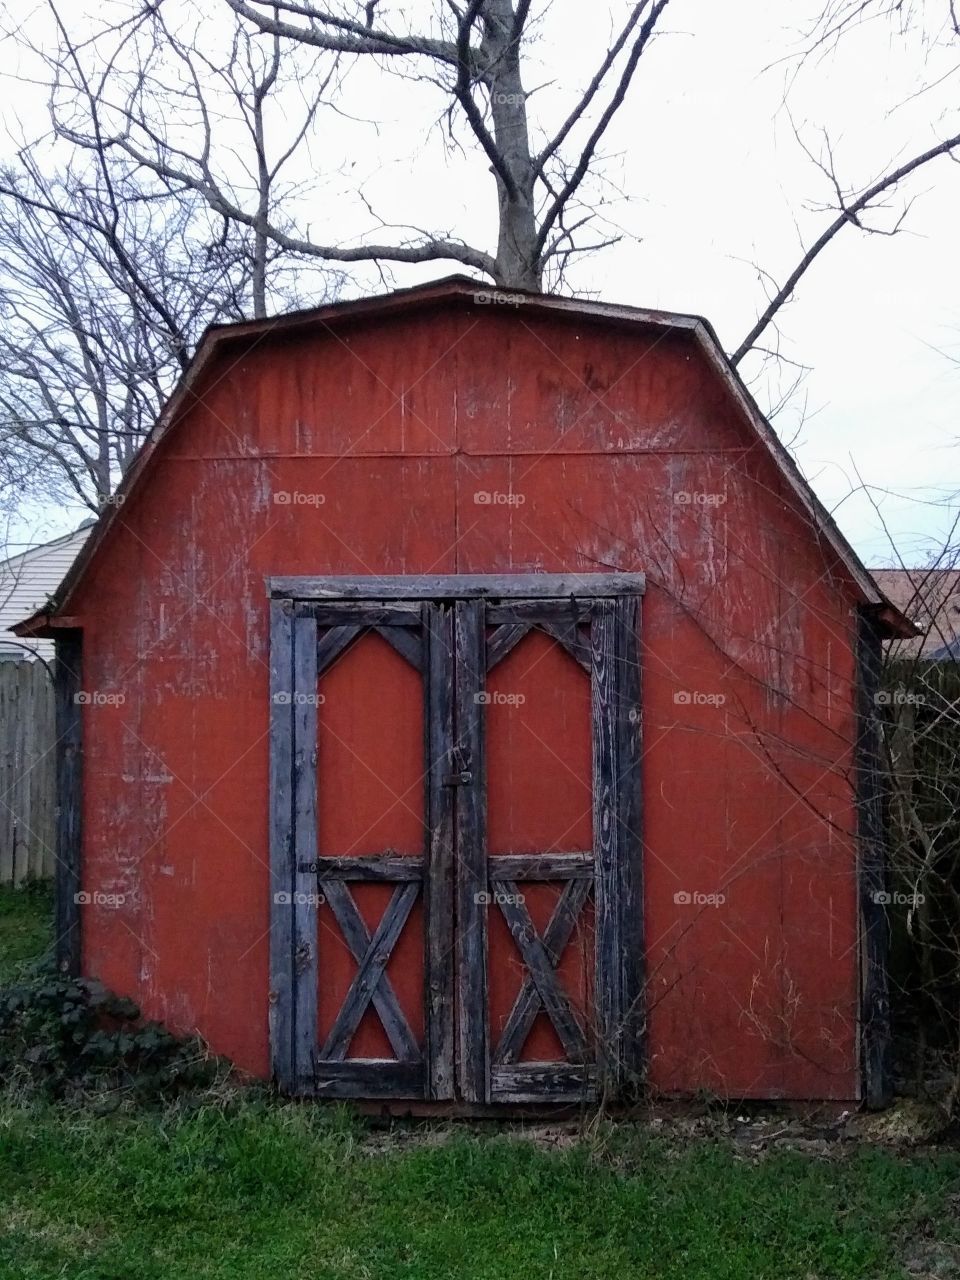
point(822, 1131)
point(392, 1137)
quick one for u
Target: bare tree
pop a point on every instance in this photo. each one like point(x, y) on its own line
point(215, 119)
point(108, 273)
point(102, 291)
point(188, 103)
point(473, 55)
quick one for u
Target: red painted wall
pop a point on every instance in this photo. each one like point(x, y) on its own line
point(401, 425)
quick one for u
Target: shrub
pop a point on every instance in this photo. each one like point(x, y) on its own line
point(66, 1037)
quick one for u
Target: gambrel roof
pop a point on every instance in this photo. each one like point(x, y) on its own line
point(461, 291)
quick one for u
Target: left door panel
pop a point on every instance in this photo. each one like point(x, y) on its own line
point(361, 919)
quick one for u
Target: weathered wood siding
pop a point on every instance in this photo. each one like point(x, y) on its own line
point(474, 440)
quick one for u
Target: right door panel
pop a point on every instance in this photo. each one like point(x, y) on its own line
point(548, 850)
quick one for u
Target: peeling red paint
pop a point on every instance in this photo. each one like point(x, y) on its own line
point(395, 426)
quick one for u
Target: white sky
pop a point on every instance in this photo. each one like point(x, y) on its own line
point(717, 181)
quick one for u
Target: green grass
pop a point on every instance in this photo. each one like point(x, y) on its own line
point(255, 1189)
point(265, 1190)
point(26, 917)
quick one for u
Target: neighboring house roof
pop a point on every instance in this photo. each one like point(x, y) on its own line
point(27, 582)
point(462, 291)
point(930, 598)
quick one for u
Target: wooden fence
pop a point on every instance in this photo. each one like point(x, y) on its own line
point(27, 772)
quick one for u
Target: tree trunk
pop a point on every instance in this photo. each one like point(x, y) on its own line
point(518, 265)
point(260, 241)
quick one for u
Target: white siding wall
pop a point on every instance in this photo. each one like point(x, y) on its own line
point(26, 582)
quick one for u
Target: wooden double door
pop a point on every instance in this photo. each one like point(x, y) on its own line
point(456, 897)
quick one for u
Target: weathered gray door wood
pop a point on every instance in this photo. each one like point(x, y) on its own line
point(453, 643)
point(307, 639)
point(602, 636)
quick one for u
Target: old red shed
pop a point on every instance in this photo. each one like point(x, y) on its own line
point(466, 700)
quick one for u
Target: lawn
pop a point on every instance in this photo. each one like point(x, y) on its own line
point(250, 1188)
point(25, 927)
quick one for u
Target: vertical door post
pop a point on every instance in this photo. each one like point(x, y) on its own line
point(629, 807)
point(607, 836)
point(304, 906)
point(282, 865)
point(471, 853)
point(439, 871)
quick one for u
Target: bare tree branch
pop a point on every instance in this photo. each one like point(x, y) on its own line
point(849, 215)
point(589, 149)
point(353, 37)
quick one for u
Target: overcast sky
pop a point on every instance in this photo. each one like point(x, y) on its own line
point(717, 181)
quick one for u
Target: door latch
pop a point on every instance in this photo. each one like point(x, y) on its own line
point(461, 775)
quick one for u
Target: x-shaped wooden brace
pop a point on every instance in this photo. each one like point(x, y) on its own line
point(541, 956)
point(370, 981)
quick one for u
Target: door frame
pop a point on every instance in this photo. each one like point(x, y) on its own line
point(617, 817)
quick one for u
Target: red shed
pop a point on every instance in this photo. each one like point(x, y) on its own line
point(466, 700)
